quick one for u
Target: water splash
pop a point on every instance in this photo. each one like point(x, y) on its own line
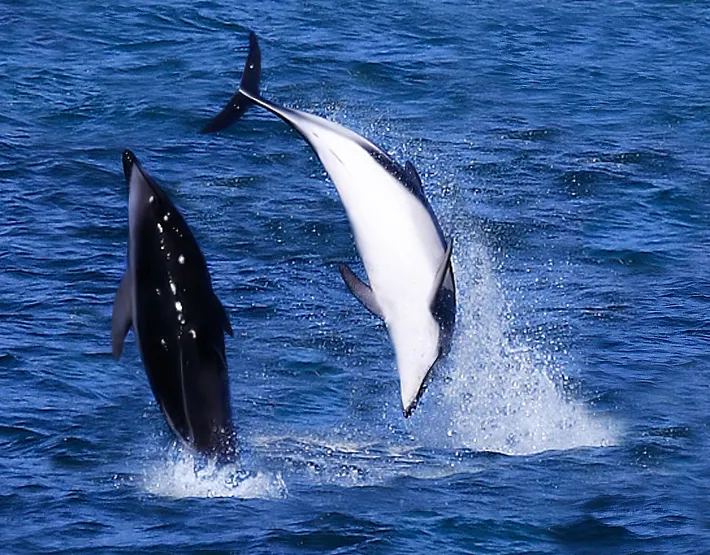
point(185, 475)
point(503, 393)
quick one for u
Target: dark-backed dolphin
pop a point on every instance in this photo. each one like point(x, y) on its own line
point(405, 254)
point(166, 297)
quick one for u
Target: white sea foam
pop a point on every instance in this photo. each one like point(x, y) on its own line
point(183, 475)
point(503, 393)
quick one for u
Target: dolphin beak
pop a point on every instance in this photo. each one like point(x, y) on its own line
point(129, 161)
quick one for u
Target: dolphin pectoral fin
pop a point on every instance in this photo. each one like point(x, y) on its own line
point(223, 317)
point(122, 317)
point(441, 273)
point(360, 290)
point(246, 95)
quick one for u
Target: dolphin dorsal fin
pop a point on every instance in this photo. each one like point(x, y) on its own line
point(360, 290)
point(122, 317)
point(413, 179)
point(441, 273)
point(411, 172)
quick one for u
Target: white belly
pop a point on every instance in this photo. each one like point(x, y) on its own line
point(399, 245)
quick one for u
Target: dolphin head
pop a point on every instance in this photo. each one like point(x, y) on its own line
point(142, 191)
point(416, 344)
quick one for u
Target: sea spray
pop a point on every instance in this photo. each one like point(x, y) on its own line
point(497, 391)
point(183, 474)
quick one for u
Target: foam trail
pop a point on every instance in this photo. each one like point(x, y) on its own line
point(500, 392)
point(185, 475)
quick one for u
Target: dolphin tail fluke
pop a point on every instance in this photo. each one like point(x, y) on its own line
point(246, 95)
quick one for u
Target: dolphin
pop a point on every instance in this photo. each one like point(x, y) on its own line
point(166, 296)
point(405, 254)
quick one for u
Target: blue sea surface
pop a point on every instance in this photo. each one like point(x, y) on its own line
point(564, 147)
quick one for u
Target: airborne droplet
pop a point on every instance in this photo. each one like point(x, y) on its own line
point(181, 259)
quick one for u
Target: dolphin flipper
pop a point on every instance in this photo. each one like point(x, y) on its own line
point(122, 317)
point(360, 290)
point(244, 97)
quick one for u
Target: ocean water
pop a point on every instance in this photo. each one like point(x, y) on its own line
point(564, 147)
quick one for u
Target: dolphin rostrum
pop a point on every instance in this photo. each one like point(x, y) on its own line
point(403, 249)
point(166, 296)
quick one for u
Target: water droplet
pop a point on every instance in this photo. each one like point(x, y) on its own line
point(173, 288)
point(193, 333)
point(178, 306)
point(160, 228)
point(151, 199)
point(165, 218)
point(181, 259)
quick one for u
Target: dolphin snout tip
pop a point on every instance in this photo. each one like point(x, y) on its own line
point(128, 160)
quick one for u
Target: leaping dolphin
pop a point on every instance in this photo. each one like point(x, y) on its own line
point(406, 257)
point(166, 296)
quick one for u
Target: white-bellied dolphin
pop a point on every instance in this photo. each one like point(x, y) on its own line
point(179, 323)
point(406, 257)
